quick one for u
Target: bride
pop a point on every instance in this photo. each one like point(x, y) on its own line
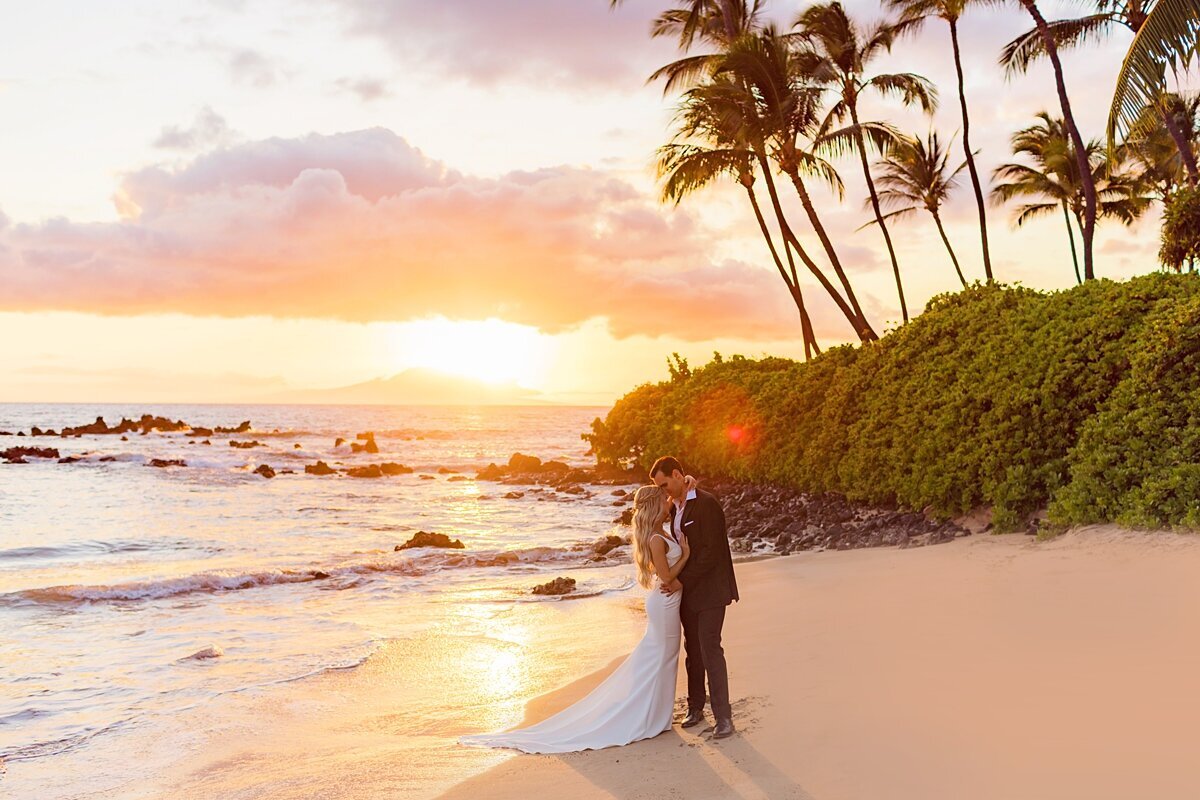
point(636, 700)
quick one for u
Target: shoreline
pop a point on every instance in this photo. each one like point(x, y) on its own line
point(1021, 704)
point(994, 667)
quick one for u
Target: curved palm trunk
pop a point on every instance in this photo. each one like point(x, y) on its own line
point(857, 321)
point(887, 237)
point(966, 140)
point(1081, 158)
point(949, 249)
point(1071, 237)
point(793, 287)
point(865, 333)
point(1182, 143)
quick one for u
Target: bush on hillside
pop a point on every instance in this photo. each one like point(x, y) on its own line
point(978, 401)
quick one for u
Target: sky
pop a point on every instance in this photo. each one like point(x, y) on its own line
point(220, 200)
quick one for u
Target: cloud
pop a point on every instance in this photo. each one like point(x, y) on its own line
point(207, 129)
point(252, 67)
point(361, 226)
point(559, 42)
point(367, 89)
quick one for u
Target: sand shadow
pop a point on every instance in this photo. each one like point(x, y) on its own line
point(727, 768)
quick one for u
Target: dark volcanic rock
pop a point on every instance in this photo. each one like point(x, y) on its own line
point(426, 539)
point(603, 546)
point(167, 462)
point(764, 517)
point(265, 470)
point(524, 463)
point(556, 586)
point(626, 517)
point(16, 455)
point(246, 445)
point(368, 471)
point(392, 468)
point(319, 468)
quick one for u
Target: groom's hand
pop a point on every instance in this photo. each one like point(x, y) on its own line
point(672, 587)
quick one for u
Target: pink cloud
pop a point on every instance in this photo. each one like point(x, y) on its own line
point(539, 41)
point(361, 226)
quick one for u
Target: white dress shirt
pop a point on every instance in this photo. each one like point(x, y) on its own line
point(677, 523)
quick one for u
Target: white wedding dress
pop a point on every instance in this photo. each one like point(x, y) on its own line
point(634, 702)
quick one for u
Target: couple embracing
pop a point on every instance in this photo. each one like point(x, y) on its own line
point(681, 552)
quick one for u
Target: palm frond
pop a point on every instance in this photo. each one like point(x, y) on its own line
point(1032, 210)
point(1166, 39)
point(1021, 52)
point(910, 87)
point(902, 212)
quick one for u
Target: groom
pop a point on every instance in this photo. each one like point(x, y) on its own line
point(709, 585)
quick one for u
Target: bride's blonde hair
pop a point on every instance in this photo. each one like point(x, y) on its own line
point(647, 521)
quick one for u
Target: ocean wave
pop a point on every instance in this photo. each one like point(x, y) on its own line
point(416, 562)
point(98, 547)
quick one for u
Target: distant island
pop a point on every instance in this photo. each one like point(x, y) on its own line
point(416, 386)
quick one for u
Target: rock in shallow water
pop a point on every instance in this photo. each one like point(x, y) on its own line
point(556, 586)
point(426, 539)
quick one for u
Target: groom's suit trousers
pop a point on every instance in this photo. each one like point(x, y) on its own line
point(703, 655)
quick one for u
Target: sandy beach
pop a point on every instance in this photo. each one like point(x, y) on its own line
point(991, 667)
point(988, 667)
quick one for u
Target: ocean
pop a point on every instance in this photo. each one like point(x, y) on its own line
point(115, 574)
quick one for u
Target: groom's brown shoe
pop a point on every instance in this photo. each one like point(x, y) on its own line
point(692, 719)
point(723, 729)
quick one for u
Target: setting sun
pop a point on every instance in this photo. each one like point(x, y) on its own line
point(489, 350)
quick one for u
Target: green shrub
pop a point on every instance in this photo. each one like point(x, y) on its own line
point(1180, 245)
point(981, 400)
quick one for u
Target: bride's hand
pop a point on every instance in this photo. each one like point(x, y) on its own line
point(690, 483)
point(683, 544)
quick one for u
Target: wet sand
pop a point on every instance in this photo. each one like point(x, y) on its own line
point(990, 667)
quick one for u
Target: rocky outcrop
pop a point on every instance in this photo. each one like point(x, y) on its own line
point(264, 470)
point(368, 443)
point(530, 470)
point(556, 586)
point(144, 425)
point(427, 539)
point(17, 455)
point(607, 544)
point(167, 462)
point(245, 445)
point(761, 517)
point(319, 468)
point(368, 471)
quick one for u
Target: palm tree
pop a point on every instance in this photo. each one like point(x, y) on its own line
point(1167, 37)
point(777, 81)
point(1132, 14)
point(1156, 149)
point(840, 55)
point(915, 13)
point(715, 23)
point(1078, 148)
point(707, 116)
point(719, 24)
point(914, 175)
point(1054, 182)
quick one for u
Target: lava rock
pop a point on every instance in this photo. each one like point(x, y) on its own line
point(265, 470)
point(556, 586)
point(319, 468)
point(427, 539)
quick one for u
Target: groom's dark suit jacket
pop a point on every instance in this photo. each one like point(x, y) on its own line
point(707, 577)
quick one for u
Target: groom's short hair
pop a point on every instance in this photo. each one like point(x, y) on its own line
point(666, 465)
